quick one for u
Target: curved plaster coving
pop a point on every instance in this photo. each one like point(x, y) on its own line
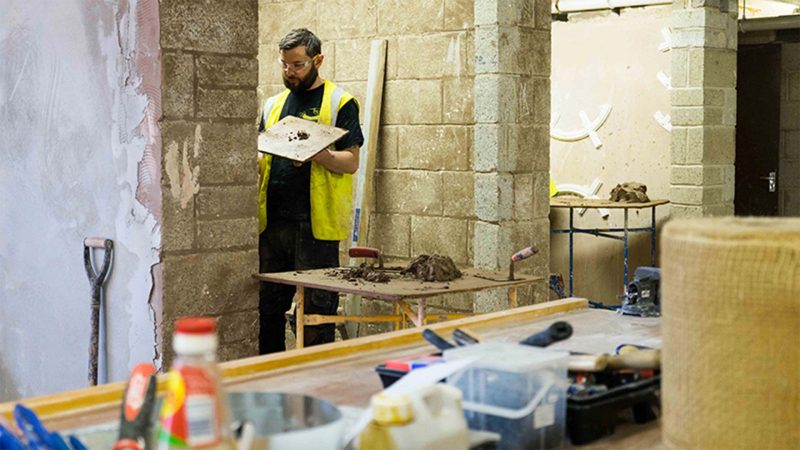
point(589, 128)
point(585, 192)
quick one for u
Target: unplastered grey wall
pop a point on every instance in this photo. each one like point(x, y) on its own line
point(80, 152)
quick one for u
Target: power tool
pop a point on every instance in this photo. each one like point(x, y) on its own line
point(642, 295)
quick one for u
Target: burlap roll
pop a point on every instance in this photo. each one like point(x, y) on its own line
point(731, 329)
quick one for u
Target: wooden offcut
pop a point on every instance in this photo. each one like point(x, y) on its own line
point(298, 139)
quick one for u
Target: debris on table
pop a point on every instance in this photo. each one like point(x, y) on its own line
point(366, 272)
point(630, 192)
point(424, 268)
point(432, 268)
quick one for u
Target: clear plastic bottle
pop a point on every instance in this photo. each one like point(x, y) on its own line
point(194, 412)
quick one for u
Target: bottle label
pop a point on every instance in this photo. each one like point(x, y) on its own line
point(190, 413)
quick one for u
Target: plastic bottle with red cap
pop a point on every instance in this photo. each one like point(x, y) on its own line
point(194, 412)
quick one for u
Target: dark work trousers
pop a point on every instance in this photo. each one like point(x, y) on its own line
point(286, 246)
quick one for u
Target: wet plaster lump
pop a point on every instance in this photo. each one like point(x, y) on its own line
point(630, 192)
point(301, 135)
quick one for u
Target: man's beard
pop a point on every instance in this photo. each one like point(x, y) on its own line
point(304, 83)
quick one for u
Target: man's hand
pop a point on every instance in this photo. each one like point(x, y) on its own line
point(342, 161)
point(323, 157)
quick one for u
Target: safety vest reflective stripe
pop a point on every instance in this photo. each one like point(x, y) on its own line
point(336, 97)
point(268, 105)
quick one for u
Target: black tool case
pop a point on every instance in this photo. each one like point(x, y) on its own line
point(389, 376)
point(590, 417)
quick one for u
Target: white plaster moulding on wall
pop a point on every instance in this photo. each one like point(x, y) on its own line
point(667, 44)
point(665, 79)
point(592, 130)
point(589, 128)
point(562, 6)
point(585, 192)
point(664, 120)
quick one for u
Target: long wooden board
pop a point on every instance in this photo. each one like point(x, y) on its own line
point(366, 165)
point(398, 288)
point(575, 202)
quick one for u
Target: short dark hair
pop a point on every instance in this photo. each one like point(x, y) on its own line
point(301, 36)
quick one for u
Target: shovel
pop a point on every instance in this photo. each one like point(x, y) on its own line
point(96, 281)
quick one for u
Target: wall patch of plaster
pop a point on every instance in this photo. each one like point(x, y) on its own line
point(84, 75)
point(183, 178)
point(454, 55)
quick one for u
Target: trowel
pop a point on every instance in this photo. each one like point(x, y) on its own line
point(525, 253)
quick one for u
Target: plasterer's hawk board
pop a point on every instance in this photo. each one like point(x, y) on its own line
point(297, 139)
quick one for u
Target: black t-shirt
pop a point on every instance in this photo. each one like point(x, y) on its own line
point(289, 188)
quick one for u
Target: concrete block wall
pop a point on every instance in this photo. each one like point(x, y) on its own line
point(210, 176)
point(703, 107)
point(789, 176)
point(511, 154)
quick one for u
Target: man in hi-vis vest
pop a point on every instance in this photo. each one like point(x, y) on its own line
point(304, 209)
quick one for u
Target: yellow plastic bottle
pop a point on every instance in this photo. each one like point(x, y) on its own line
point(429, 419)
point(194, 412)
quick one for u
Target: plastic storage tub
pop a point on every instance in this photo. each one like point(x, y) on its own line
point(514, 390)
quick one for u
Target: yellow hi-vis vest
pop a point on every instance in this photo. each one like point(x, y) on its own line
point(331, 193)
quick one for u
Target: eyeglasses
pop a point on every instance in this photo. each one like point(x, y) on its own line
point(297, 66)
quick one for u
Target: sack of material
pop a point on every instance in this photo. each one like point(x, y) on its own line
point(731, 315)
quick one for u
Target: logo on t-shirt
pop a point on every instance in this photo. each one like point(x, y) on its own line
point(310, 114)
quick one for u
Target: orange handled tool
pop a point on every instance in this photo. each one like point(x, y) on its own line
point(367, 252)
point(525, 253)
point(137, 409)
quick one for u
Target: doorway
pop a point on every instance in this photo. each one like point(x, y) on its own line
point(757, 130)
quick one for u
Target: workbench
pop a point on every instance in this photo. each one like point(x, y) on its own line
point(343, 372)
point(399, 291)
point(620, 234)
